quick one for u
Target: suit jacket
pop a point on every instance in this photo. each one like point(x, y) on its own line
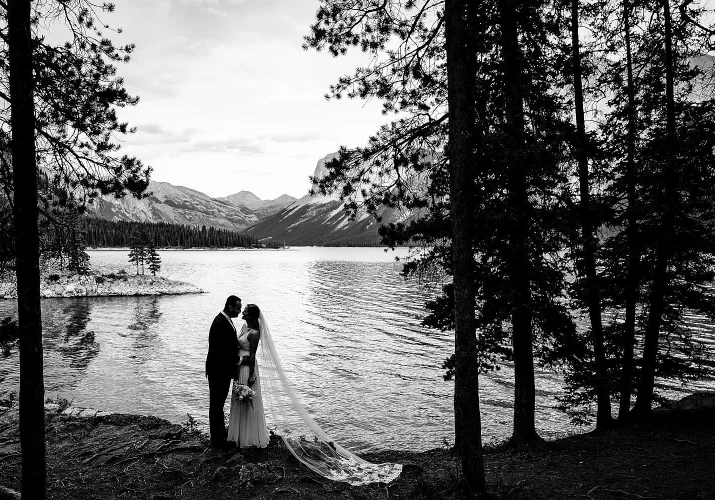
point(223, 349)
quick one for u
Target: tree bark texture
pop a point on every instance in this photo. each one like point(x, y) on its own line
point(461, 78)
point(520, 262)
point(644, 400)
point(32, 391)
point(603, 414)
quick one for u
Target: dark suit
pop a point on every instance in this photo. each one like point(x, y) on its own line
point(220, 369)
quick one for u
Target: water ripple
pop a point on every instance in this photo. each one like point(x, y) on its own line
point(346, 324)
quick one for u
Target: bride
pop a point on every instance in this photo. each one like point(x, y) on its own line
point(290, 420)
point(247, 423)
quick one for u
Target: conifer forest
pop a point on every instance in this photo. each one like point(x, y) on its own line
point(112, 234)
point(559, 157)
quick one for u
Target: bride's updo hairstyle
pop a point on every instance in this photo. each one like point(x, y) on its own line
point(253, 313)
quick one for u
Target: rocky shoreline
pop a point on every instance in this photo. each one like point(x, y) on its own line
point(98, 284)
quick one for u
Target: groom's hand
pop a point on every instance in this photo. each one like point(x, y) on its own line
point(251, 381)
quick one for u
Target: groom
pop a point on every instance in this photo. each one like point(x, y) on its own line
point(221, 367)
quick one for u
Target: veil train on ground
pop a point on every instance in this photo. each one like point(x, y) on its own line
point(302, 435)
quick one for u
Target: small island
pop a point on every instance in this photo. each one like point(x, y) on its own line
point(100, 284)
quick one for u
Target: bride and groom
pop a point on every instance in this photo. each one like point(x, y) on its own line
point(250, 358)
point(232, 356)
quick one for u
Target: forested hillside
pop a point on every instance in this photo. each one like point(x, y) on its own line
point(113, 234)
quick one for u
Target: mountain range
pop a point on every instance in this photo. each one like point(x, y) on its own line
point(310, 220)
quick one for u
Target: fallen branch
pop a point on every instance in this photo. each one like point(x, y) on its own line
point(167, 444)
point(634, 495)
point(288, 489)
point(682, 441)
point(153, 454)
point(108, 451)
point(142, 445)
point(308, 478)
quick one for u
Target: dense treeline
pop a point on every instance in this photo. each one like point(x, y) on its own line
point(556, 158)
point(113, 234)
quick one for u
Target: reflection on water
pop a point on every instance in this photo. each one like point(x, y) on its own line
point(69, 346)
point(146, 314)
point(346, 325)
point(78, 344)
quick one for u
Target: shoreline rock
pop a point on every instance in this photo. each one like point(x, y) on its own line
point(95, 284)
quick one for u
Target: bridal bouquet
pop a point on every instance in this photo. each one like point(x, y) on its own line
point(242, 393)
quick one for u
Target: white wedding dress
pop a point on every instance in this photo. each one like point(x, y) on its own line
point(246, 422)
point(301, 434)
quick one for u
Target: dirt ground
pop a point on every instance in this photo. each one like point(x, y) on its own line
point(135, 457)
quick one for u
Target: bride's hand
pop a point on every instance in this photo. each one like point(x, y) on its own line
point(251, 381)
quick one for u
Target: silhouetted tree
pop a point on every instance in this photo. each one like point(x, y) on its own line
point(646, 195)
point(27, 248)
point(588, 236)
point(519, 283)
point(67, 142)
point(460, 40)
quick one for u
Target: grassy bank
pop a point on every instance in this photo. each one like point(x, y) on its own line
point(134, 457)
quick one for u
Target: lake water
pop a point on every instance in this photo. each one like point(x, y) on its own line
point(346, 324)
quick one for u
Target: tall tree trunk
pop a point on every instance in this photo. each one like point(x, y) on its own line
point(603, 415)
point(632, 274)
point(32, 390)
point(461, 78)
point(520, 265)
point(644, 400)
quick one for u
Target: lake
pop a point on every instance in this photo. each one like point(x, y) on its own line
point(346, 324)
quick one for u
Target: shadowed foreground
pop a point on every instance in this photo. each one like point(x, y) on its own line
point(134, 457)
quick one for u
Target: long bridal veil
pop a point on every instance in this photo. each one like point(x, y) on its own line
point(302, 435)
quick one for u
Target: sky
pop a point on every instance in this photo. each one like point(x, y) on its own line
point(229, 100)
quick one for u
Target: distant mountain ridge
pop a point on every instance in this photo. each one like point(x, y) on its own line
point(182, 205)
point(262, 208)
point(311, 220)
point(320, 220)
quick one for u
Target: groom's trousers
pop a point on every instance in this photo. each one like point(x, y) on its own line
point(218, 391)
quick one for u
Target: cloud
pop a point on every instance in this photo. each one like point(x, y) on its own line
point(297, 137)
point(234, 92)
point(151, 128)
point(231, 146)
point(166, 86)
point(156, 134)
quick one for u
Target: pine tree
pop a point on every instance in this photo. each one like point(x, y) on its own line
point(137, 254)
point(588, 237)
point(522, 180)
point(27, 248)
point(651, 209)
point(460, 25)
point(78, 259)
point(153, 259)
